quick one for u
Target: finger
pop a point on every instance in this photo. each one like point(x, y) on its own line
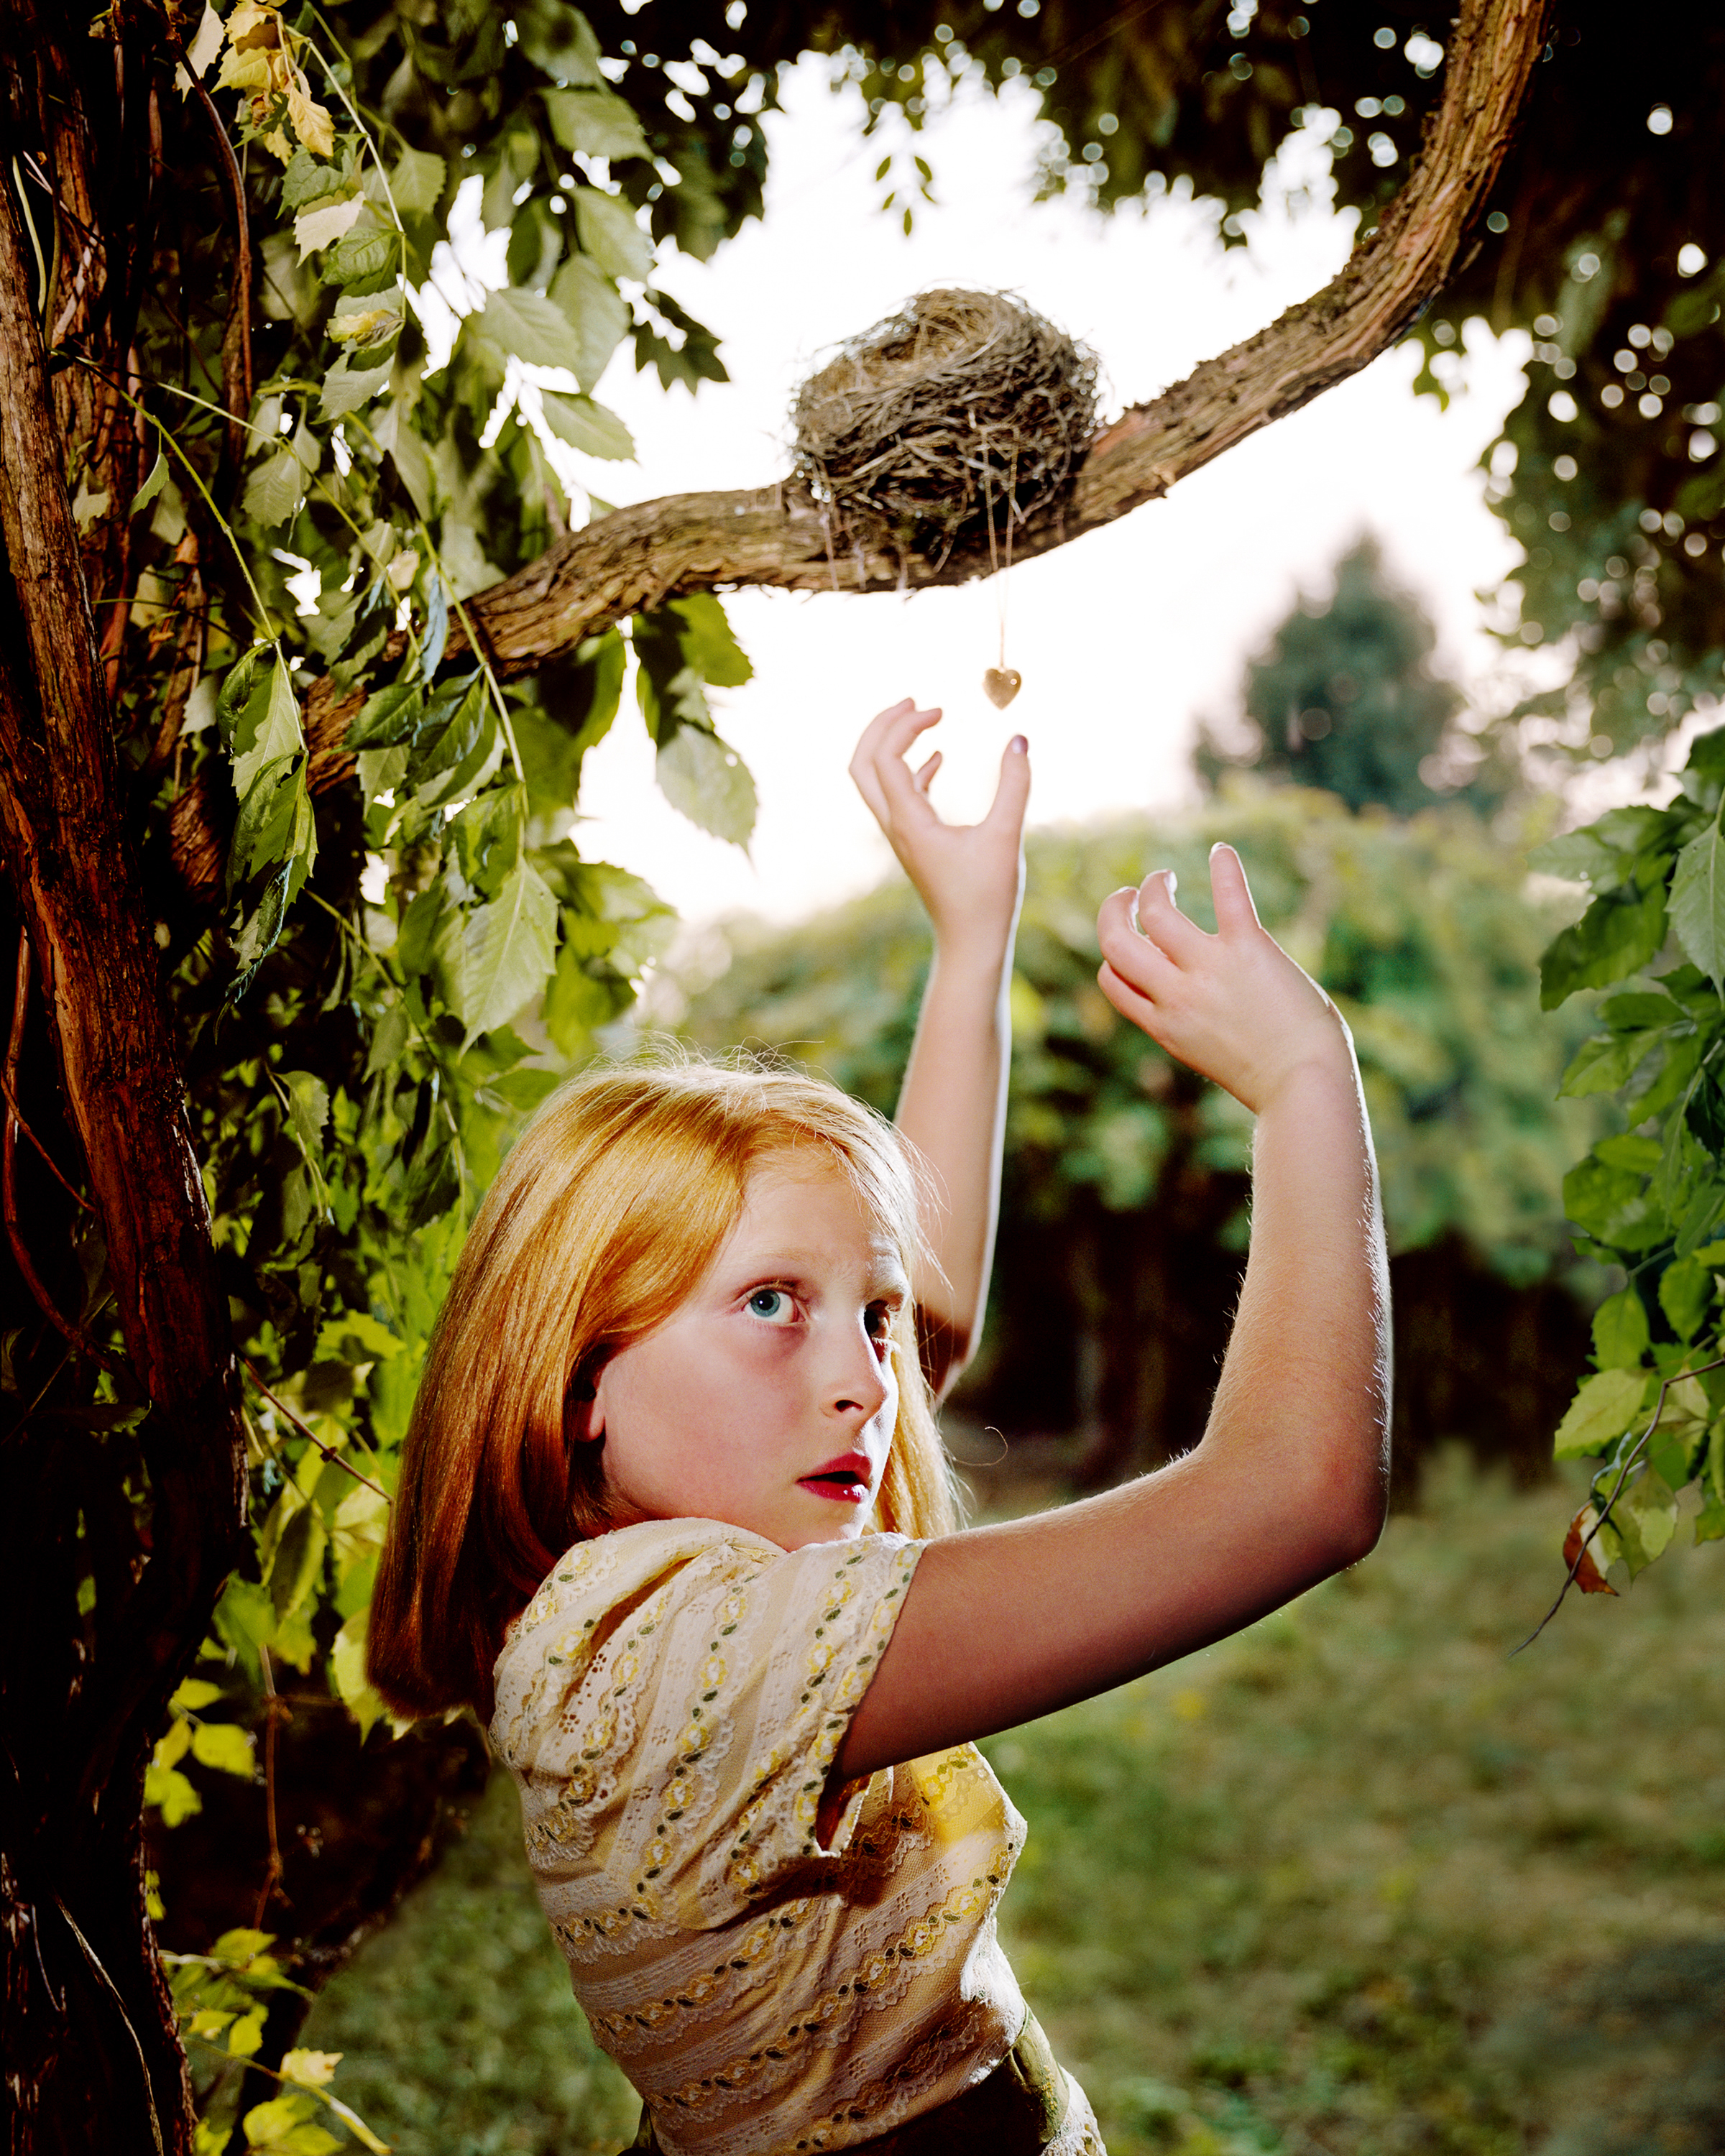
point(1141, 962)
point(903, 797)
point(1233, 894)
point(1125, 999)
point(1006, 812)
point(877, 738)
point(925, 776)
point(1161, 920)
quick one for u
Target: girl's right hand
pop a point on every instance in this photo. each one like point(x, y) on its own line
point(1233, 1005)
point(969, 876)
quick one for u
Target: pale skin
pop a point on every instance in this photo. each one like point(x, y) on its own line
point(768, 1400)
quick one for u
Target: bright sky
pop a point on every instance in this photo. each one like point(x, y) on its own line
point(1124, 638)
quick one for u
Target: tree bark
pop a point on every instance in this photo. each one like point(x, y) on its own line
point(92, 2051)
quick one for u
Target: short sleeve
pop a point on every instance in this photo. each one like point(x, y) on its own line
point(673, 1705)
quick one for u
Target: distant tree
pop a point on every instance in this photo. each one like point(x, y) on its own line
point(1344, 697)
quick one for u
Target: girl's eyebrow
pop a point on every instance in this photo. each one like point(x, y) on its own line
point(799, 1269)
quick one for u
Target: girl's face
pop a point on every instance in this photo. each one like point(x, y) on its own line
point(768, 1400)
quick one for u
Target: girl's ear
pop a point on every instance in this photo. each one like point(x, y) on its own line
point(583, 1417)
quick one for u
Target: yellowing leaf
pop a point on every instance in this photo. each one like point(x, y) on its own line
point(195, 1692)
point(310, 2069)
point(311, 122)
point(247, 2034)
point(365, 325)
point(319, 227)
point(173, 1744)
point(172, 1795)
point(1600, 1412)
point(245, 71)
point(206, 43)
point(224, 1746)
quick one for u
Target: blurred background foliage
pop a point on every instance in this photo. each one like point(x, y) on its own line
point(1344, 697)
point(1123, 1222)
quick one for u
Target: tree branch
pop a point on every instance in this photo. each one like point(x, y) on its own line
point(638, 558)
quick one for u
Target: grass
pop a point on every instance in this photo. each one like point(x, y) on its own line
point(1352, 1883)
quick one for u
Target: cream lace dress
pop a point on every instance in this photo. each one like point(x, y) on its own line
point(771, 1978)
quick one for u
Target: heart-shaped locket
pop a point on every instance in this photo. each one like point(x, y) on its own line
point(1001, 683)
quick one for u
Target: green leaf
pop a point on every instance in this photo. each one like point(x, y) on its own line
point(507, 952)
point(1620, 933)
point(362, 262)
point(456, 746)
point(388, 718)
point(225, 1746)
point(276, 487)
point(394, 431)
point(1602, 1063)
point(308, 180)
point(1685, 1295)
point(705, 779)
point(346, 388)
point(1646, 1518)
point(597, 312)
point(152, 485)
point(533, 327)
point(1603, 1408)
point(308, 1109)
point(708, 643)
point(1620, 1336)
point(595, 122)
point(1698, 902)
point(267, 731)
point(558, 39)
point(607, 230)
point(417, 183)
point(587, 426)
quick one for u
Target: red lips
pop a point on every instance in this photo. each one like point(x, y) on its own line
point(846, 1480)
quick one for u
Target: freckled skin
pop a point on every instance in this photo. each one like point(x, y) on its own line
point(778, 1367)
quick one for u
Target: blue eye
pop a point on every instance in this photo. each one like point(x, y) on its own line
point(770, 1302)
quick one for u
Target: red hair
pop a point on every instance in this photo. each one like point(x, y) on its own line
point(610, 1209)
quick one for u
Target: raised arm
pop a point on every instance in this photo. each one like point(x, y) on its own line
point(1002, 1623)
point(952, 1106)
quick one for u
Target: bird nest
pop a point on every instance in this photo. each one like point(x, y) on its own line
point(947, 426)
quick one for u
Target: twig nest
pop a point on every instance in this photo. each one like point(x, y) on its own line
point(964, 412)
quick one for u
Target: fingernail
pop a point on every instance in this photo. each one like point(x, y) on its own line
point(1018, 745)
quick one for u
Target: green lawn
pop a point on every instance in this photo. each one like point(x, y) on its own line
point(1354, 1882)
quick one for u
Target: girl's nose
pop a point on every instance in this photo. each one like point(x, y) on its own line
point(860, 1383)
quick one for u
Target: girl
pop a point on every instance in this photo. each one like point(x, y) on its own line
point(674, 1520)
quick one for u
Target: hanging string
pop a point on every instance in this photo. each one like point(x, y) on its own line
point(1000, 683)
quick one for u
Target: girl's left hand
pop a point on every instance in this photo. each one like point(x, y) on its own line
point(969, 875)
